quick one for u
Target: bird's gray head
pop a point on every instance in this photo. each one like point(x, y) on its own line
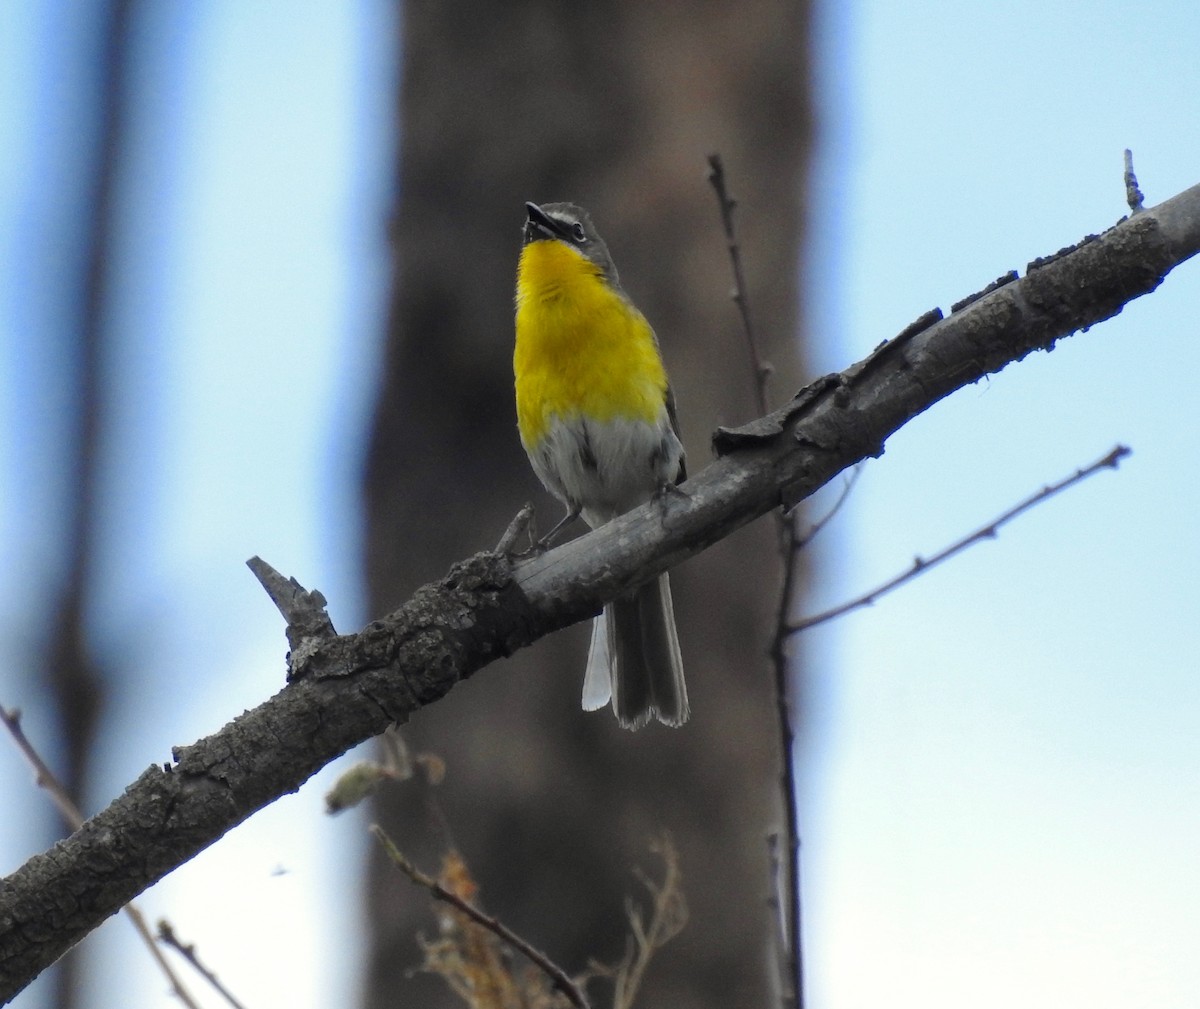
point(569, 223)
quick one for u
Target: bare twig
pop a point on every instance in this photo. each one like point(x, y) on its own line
point(556, 974)
point(668, 915)
point(789, 541)
point(167, 935)
point(71, 814)
point(920, 565)
point(308, 622)
point(1133, 195)
point(762, 370)
point(792, 915)
point(43, 776)
point(521, 523)
point(824, 520)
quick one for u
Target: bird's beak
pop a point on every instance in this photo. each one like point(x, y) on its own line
point(539, 225)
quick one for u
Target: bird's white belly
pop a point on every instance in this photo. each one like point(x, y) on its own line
point(606, 467)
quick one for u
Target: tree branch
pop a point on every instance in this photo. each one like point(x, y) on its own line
point(47, 780)
point(561, 981)
point(791, 949)
point(920, 565)
point(344, 689)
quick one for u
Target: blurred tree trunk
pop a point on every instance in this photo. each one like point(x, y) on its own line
point(615, 106)
point(76, 682)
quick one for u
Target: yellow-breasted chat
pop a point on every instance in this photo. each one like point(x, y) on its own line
point(597, 419)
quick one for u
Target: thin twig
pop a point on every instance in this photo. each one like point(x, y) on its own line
point(792, 917)
point(556, 974)
point(762, 370)
point(824, 520)
point(668, 915)
point(188, 952)
point(43, 776)
point(788, 547)
point(71, 814)
point(520, 524)
point(920, 565)
point(1133, 195)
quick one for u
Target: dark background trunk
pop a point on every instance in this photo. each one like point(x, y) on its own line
point(614, 106)
point(75, 681)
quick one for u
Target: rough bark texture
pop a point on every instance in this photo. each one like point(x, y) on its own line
point(614, 106)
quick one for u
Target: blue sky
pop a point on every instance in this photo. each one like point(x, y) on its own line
point(1000, 777)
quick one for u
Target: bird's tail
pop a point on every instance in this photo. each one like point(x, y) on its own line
point(634, 659)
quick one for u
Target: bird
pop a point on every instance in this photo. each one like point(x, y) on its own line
point(596, 416)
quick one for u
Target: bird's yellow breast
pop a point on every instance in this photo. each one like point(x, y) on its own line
point(582, 348)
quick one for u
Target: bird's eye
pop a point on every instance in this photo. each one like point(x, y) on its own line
point(578, 232)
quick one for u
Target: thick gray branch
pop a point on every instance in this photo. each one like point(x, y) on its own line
point(840, 419)
point(344, 689)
